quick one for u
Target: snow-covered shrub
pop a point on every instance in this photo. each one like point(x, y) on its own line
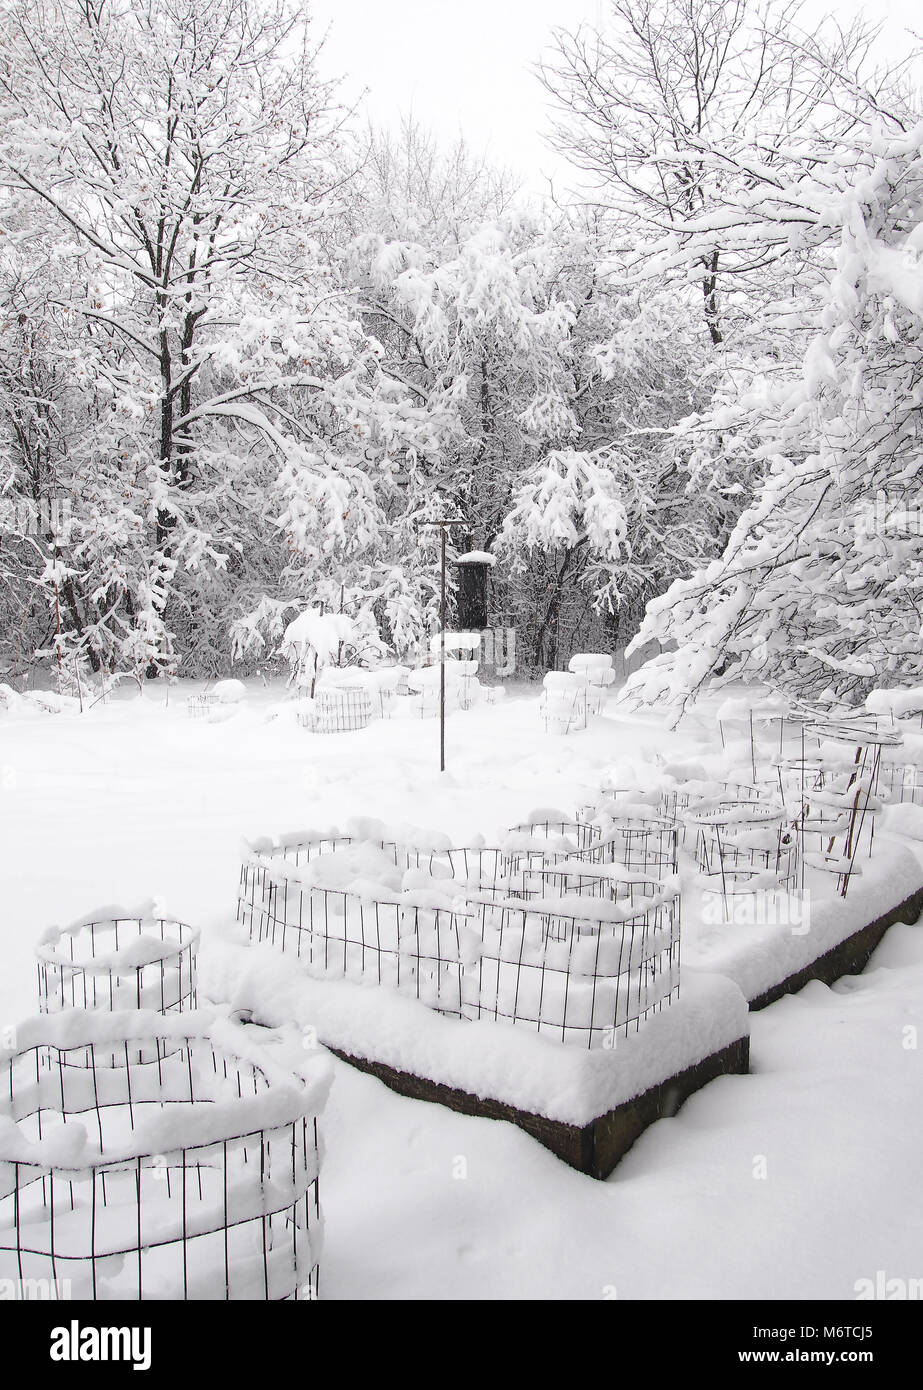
point(229, 692)
point(313, 641)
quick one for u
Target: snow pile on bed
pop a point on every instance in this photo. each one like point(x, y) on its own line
point(775, 938)
point(484, 1059)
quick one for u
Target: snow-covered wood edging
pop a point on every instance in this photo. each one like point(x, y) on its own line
point(835, 938)
point(594, 1148)
point(850, 957)
point(586, 1106)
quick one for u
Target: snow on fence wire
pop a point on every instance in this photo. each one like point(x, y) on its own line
point(138, 960)
point(202, 706)
point(337, 709)
point(581, 972)
point(839, 782)
point(551, 929)
point(193, 1174)
point(563, 703)
point(747, 845)
point(900, 782)
point(633, 834)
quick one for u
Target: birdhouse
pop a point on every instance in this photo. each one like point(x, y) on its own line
point(471, 590)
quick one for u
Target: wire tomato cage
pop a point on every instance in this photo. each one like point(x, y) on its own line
point(142, 961)
point(191, 1171)
point(559, 928)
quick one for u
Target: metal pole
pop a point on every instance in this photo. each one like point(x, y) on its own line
point(442, 531)
point(443, 526)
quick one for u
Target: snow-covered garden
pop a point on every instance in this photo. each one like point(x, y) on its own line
point(461, 669)
point(172, 821)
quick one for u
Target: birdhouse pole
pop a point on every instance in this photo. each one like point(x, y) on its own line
point(443, 528)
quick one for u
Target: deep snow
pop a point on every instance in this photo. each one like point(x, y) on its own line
point(136, 798)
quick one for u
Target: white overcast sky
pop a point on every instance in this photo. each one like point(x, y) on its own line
point(465, 65)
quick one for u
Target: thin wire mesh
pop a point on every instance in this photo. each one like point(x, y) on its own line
point(556, 886)
point(119, 963)
point(186, 1176)
point(201, 706)
point(336, 710)
point(564, 711)
point(648, 844)
point(900, 783)
point(583, 981)
point(340, 935)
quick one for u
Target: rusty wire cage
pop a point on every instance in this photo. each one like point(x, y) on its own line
point(193, 1174)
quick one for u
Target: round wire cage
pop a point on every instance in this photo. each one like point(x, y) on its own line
point(647, 844)
point(192, 1174)
point(350, 936)
point(338, 709)
point(205, 706)
point(142, 961)
point(748, 845)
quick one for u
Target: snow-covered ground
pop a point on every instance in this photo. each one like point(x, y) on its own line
point(793, 1182)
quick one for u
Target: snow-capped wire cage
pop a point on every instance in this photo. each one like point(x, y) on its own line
point(364, 938)
point(900, 782)
point(190, 1175)
point(550, 837)
point(595, 669)
point(337, 710)
point(580, 980)
point(141, 961)
point(742, 838)
point(563, 703)
point(633, 835)
point(203, 706)
point(842, 811)
point(837, 826)
point(674, 802)
point(483, 931)
point(387, 686)
point(746, 846)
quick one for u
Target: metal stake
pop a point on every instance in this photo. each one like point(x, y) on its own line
point(443, 527)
